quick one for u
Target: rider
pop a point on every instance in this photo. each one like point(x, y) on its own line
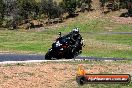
point(75, 38)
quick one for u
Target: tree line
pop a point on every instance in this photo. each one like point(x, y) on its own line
point(13, 12)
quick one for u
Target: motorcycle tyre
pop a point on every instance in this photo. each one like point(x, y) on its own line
point(48, 55)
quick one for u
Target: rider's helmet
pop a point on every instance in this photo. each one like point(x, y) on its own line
point(76, 31)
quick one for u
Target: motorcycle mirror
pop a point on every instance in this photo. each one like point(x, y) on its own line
point(60, 34)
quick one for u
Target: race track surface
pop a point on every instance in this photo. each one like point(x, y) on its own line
point(26, 57)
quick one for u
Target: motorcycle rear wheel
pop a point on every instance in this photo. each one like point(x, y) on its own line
point(70, 54)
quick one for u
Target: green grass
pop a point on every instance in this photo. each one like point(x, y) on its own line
point(98, 25)
point(125, 39)
point(25, 41)
point(97, 45)
point(108, 53)
point(114, 45)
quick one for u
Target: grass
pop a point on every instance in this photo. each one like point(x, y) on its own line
point(114, 45)
point(108, 45)
point(98, 25)
point(125, 39)
point(25, 41)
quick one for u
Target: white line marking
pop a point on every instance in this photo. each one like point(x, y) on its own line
point(36, 61)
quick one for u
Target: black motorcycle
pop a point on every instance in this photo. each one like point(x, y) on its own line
point(63, 47)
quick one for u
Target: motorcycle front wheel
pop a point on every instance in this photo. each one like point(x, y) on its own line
point(48, 55)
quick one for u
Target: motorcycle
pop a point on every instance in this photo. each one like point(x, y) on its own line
point(63, 48)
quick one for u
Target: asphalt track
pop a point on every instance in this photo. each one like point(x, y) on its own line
point(28, 57)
